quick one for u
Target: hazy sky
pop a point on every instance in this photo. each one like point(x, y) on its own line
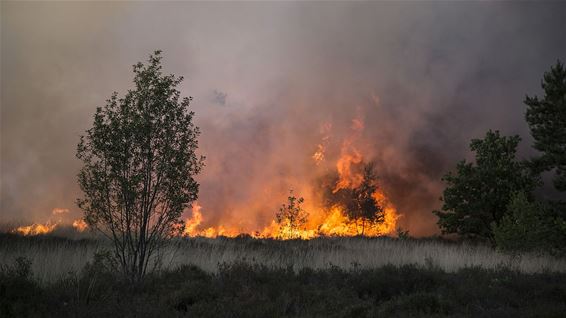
point(265, 77)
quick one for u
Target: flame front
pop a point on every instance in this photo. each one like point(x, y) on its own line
point(322, 221)
point(59, 217)
point(193, 228)
point(339, 156)
point(35, 229)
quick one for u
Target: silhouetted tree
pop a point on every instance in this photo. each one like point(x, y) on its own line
point(529, 225)
point(360, 204)
point(547, 120)
point(291, 217)
point(477, 195)
point(139, 161)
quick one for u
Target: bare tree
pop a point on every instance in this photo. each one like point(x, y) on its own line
point(139, 161)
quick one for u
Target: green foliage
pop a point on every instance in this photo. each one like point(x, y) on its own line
point(477, 195)
point(530, 226)
point(547, 120)
point(291, 217)
point(139, 161)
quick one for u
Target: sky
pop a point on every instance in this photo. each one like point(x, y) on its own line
point(271, 81)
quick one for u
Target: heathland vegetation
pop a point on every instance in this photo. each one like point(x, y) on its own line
point(506, 256)
point(244, 277)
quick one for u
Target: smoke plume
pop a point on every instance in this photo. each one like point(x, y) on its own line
point(273, 84)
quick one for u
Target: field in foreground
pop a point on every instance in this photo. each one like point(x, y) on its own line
point(53, 257)
point(334, 277)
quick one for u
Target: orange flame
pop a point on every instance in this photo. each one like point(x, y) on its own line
point(80, 225)
point(192, 226)
point(35, 229)
point(348, 179)
point(322, 222)
point(192, 223)
point(59, 216)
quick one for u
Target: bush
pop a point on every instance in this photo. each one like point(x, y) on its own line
point(477, 193)
point(530, 226)
point(18, 290)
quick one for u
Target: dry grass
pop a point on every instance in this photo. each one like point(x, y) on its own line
point(347, 253)
point(52, 258)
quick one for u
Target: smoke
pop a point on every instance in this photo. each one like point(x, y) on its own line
point(267, 78)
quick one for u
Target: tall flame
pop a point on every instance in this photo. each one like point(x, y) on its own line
point(193, 228)
point(322, 221)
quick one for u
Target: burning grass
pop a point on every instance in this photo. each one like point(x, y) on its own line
point(337, 193)
point(342, 198)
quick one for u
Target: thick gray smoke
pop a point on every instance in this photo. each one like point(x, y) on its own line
point(267, 78)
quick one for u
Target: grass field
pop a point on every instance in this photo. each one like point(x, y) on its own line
point(53, 257)
point(244, 277)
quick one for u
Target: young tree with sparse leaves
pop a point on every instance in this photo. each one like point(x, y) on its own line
point(477, 194)
point(291, 217)
point(363, 208)
point(360, 204)
point(139, 162)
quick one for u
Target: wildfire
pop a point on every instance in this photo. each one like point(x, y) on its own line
point(323, 221)
point(348, 178)
point(35, 229)
point(192, 223)
point(192, 226)
point(318, 156)
point(59, 216)
point(80, 225)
